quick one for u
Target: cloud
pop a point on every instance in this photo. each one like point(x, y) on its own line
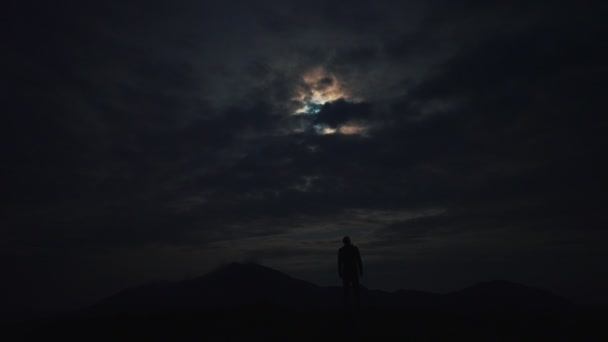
point(340, 112)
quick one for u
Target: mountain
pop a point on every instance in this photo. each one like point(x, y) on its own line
point(254, 302)
point(241, 285)
point(500, 295)
point(231, 286)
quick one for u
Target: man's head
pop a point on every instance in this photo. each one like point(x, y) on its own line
point(346, 240)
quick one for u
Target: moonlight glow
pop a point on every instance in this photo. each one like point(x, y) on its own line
point(318, 87)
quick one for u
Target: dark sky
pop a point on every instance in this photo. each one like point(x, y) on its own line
point(454, 141)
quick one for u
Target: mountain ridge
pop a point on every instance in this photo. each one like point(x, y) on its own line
point(245, 284)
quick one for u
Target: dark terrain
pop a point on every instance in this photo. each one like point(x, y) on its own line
point(249, 301)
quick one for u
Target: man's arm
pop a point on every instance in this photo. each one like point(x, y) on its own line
point(359, 263)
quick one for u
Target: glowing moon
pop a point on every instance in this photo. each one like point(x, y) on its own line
point(318, 87)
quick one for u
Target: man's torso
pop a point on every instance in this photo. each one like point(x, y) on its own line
point(349, 261)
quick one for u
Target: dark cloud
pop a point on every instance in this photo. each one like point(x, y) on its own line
point(340, 112)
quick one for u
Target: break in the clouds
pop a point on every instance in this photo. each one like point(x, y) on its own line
point(455, 141)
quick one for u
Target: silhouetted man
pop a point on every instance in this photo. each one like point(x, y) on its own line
point(350, 268)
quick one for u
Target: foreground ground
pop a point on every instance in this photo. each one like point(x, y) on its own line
point(271, 323)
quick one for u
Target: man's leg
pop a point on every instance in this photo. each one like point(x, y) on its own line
point(356, 290)
point(346, 287)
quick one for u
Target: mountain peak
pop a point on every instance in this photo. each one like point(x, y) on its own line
point(245, 267)
point(252, 273)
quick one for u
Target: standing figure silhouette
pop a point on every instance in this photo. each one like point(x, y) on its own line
point(350, 268)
